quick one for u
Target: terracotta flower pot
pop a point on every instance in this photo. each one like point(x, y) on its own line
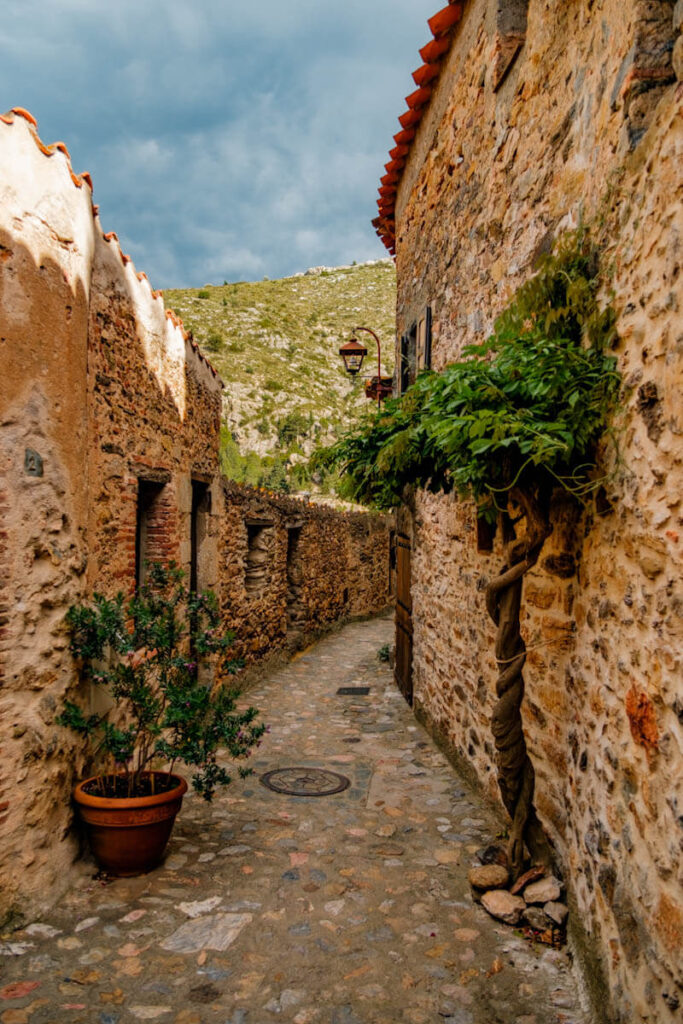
point(128, 836)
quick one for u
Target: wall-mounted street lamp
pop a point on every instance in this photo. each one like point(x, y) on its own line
point(353, 354)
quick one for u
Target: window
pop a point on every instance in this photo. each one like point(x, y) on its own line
point(408, 359)
point(151, 528)
point(259, 555)
point(415, 351)
point(296, 616)
point(424, 341)
point(511, 16)
point(199, 531)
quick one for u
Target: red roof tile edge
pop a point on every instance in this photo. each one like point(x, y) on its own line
point(442, 26)
point(110, 236)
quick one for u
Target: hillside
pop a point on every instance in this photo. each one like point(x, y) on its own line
point(275, 345)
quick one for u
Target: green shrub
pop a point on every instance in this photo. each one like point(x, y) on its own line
point(145, 651)
point(291, 427)
point(214, 340)
point(529, 403)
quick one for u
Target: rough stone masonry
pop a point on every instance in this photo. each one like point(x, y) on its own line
point(577, 119)
point(110, 422)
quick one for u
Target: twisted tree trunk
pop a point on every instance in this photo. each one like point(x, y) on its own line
point(516, 777)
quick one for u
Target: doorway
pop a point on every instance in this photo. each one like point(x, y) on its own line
point(403, 671)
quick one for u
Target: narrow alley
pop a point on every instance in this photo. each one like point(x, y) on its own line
point(351, 908)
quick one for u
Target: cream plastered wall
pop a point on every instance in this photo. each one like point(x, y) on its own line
point(58, 277)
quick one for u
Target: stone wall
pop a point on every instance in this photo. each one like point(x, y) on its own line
point(102, 392)
point(109, 426)
point(585, 126)
point(289, 568)
point(46, 251)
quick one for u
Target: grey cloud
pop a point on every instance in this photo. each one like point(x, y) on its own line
point(225, 139)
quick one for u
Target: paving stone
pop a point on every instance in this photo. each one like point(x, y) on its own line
point(215, 931)
point(351, 909)
point(199, 907)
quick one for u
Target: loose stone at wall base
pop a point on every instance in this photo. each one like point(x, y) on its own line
point(503, 905)
point(489, 876)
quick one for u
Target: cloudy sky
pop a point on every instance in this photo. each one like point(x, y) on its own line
point(227, 139)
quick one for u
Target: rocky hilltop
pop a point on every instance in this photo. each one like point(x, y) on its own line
point(275, 345)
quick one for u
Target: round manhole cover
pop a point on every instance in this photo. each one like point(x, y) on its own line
point(305, 781)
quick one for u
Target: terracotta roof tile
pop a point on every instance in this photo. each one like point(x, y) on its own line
point(445, 19)
point(435, 49)
point(79, 180)
point(426, 73)
point(418, 98)
point(404, 137)
point(21, 112)
point(410, 118)
point(442, 25)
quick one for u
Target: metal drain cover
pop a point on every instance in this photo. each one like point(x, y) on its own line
point(305, 781)
point(353, 691)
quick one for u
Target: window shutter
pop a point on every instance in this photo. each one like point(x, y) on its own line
point(403, 368)
point(421, 343)
point(428, 339)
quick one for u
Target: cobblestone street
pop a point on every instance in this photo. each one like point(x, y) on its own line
point(352, 908)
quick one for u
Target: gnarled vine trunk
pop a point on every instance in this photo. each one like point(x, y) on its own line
point(503, 599)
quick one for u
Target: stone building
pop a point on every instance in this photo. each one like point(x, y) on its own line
point(109, 426)
point(528, 118)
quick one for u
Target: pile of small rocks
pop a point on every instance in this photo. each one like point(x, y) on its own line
point(534, 900)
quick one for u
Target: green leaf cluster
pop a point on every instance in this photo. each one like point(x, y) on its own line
point(525, 408)
point(147, 653)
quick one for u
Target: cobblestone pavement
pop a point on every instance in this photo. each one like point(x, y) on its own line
point(346, 909)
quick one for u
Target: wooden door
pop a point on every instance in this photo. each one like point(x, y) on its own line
point(403, 671)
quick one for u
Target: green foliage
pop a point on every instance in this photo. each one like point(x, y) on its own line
point(203, 294)
point(280, 346)
point(300, 476)
point(231, 461)
point(526, 407)
point(214, 340)
point(291, 427)
point(252, 469)
point(146, 652)
point(274, 476)
point(384, 653)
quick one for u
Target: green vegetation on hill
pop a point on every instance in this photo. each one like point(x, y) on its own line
point(275, 344)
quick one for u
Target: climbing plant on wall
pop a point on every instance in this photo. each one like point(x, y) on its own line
point(517, 417)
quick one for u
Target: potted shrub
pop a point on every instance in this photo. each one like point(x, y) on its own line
point(146, 653)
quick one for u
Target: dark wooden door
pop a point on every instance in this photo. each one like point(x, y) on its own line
point(404, 620)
